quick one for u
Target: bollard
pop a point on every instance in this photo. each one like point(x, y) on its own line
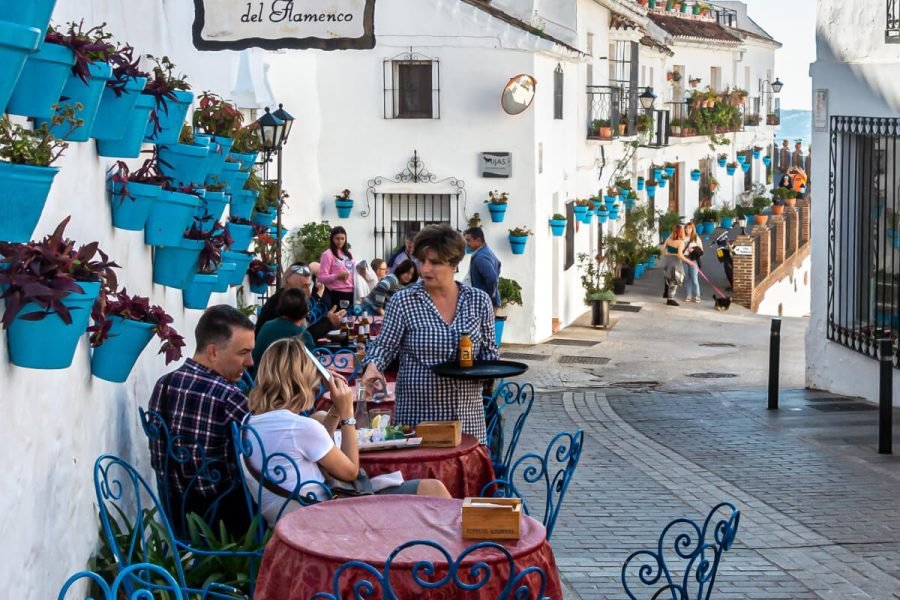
point(885, 399)
point(774, 359)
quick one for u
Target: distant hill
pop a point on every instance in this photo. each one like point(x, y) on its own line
point(795, 124)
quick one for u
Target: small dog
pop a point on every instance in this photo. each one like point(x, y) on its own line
point(722, 302)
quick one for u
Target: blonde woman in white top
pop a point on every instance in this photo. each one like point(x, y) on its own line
point(693, 249)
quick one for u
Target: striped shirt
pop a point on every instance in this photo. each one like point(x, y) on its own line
point(414, 329)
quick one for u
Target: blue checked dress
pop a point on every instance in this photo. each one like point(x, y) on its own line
point(414, 329)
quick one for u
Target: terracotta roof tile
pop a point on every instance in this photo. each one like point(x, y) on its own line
point(694, 28)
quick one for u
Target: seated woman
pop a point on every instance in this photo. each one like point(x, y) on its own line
point(404, 275)
point(285, 387)
point(291, 321)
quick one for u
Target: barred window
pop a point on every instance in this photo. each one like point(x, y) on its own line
point(411, 87)
point(864, 233)
point(558, 92)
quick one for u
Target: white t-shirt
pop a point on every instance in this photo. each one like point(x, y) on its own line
point(304, 440)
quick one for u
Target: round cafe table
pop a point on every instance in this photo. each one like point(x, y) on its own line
point(464, 470)
point(310, 544)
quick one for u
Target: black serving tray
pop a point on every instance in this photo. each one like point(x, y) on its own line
point(481, 369)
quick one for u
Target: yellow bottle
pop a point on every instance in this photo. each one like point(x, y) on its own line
point(465, 351)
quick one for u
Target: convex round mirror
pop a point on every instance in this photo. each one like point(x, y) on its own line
point(518, 94)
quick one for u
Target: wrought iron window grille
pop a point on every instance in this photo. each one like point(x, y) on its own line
point(892, 26)
point(412, 87)
point(558, 81)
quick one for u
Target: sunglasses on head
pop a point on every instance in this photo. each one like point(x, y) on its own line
point(299, 270)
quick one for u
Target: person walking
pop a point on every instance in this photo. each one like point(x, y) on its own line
point(336, 269)
point(484, 267)
point(693, 250)
point(673, 262)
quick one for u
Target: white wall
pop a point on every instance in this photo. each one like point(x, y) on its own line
point(790, 296)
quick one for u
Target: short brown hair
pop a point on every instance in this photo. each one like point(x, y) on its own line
point(445, 241)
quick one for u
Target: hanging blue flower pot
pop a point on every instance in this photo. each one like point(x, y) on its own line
point(640, 184)
point(241, 261)
point(614, 214)
point(23, 193)
point(695, 175)
point(231, 175)
point(745, 167)
point(557, 227)
point(114, 113)
point(727, 222)
point(114, 359)
point(247, 159)
point(85, 93)
point(730, 169)
point(602, 215)
point(16, 43)
point(259, 287)
point(498, 212)
point(741, 158)
point(345, 206)
point(662, 182)
point(589, 215)
point(172, 213)
point(196, 295)
point(756, 154)
point(651, 191)
point(212, 205)
point(50, 343)
point(517, 243)
point(218, 151)
point(263, 218)
point(224, 275)
point(174, 266)
point(183, 163)
point(131, 209)
point(580, 211)
point(609, 201)
point(657, 173)
point(30, 13)
point(41, 82)
point(242, 202)
point(166, 128)
point(129, 145)
point(722, 162)
point(241, 234)
point(767, 160)
point(670, 171)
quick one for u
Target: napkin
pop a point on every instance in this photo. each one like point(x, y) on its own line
point(381, 482)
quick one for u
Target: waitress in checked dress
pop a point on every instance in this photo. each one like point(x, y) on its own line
point(422, 325)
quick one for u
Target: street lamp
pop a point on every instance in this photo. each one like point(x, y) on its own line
point(742, 223)
point(765, 85)
point(647, 99)
point(289, 121)
point(777, 85)
point(270, 130)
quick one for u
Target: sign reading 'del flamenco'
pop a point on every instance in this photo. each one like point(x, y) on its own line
point(273, 24)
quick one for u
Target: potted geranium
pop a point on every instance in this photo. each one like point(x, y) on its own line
point(221, 121)
point(120, 337)
point(173, 98)
point(558, 224)
point(518, 236)
point(497, 205)
point(602, 128)
point(268, 202)
point(344, 204)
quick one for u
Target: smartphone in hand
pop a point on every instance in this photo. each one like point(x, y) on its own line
point(325, 373)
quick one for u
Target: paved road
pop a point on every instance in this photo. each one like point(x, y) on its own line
point(820, 517)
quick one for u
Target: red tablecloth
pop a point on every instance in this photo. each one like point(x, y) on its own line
point(465, 470)
point(310, 544)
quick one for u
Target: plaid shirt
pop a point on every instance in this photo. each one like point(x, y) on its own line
point(201, 406)
point(414, 329)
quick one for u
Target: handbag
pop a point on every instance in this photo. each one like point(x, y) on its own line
point(361, 486)
point(695, 253)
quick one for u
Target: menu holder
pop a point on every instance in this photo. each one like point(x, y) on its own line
point(491, 518)
point(440, 434)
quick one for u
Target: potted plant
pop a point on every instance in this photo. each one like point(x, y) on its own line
point(260, 276)
point(243, 200)
point(132, 193)
point(510, 294)
point(713, 184)
point(760, 204)
point(245, 146)
point(171, 214)
point(667, 222)
point(767, 161)
point(267, 204)
point(630, 199)
point(696, 174)
point(241, 230)
point(602, 128)
point(184, 162)
point(221, 121)
point(663, 180)
point(596, 294)
point(197, 292)
point(497, 205)
point(49, 289)
point(123, 333)
point(782, 196)
point(731, 167)
point(772, 119)
point(558, 224)
point(518, 236)
point(120, 95)
point(26, 173)
point(673, 76)
point(173, 97)
point(473, 221)
point(651, 187)
point(722, 159)
point(645, 123)
point(344, 204)
point(675, 126)
point(726, 217)
point(602, 213)
point(640, 183)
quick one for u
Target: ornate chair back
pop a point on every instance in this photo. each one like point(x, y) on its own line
point(507, 394)
point(137, 574)
point(344, 360)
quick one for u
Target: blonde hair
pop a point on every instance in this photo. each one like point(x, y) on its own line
point(285, 378)
point(692, 237)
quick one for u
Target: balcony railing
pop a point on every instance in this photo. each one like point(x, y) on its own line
point(658, 135)
point(610, 113)
point(892, 28)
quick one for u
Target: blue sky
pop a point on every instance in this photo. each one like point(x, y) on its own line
point(793, 23)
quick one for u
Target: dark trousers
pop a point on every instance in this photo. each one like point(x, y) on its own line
point(231, 509)
point(336, 298)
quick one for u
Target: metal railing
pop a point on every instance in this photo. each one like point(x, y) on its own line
point(659, 131)
point(608, 107)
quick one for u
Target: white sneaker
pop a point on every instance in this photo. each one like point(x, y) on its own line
point(697, 299)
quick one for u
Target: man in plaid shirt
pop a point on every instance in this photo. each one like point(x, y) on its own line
point(200, 402)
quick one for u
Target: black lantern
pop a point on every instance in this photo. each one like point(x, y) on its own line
point(742, 223)
point(288, 121)
point(270, 130)
point(777, 85)
point(647, 99)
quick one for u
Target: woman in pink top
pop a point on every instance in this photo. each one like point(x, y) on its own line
point(336, 269)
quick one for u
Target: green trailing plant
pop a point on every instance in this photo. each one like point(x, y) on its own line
point(307, 243)
point(38, 147)
point(187, 135)
point(510, 292)
point(254, 183)
point(270, 197)
point(706, 214)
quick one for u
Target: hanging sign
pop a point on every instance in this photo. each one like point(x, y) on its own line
point(274, 24)
point(496, 164)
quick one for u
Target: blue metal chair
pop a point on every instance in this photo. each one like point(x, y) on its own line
point(137, 575)
point(182, 451)
point(340, 360)
point(530, 582)
point(121, 491)
point(507, 394)
point(686, 567)
point(554, 469)
point(317, 310)
point(273, 474)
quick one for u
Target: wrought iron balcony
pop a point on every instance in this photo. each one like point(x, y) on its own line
point(609, 112)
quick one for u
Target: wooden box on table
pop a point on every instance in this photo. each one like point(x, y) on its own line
point(440, 434)
point(491, 518)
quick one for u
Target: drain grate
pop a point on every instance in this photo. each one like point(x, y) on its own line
point(634, 384)
point(583, 360)
point(565, 342)
point(524, 356)
point(712, 375)
point(717, 345)
point(625, 307)
point(844, 407)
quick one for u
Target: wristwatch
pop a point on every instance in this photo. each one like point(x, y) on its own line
point(350, 421)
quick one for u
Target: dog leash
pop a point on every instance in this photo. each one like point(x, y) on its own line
point(711, 284)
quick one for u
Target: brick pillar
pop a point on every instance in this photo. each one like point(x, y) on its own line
point(804, 220)
point(762, 231)
point(742, 289)
point(778, 229)
point(792, 231)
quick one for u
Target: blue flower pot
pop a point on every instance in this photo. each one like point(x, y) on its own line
point(114, 113)
point(670, 171)
point(171, 215)
point(247, 159)
point(499, 325)
point(662, 183)
point(343, 208)
point(896, 241)
point(241, 234)
point(16, 43)
point(183, 163)
point(767, 160)
point(131, 210)
point(273, 231)
point(745, 167)
point(23, 193)
point(741, 158)
point(174, 266)
point(651, 191)
point(640, 184)
point(589, 216)
point(259, 288)
point(756, 153)
point(212, 205)
point(196, 295)
point(629, 203)
point(602, 216)
point(639, 270)
point(88, 95)
point(651, 262)
point(517, 243)
point(170, 116)
point(41, 82)
point(657, 173)
point(50, 343)
point(224, 275)
point(218, 151)
point(114, 359)
point(498, 212)
point(580, 211)
point(722, 162)
point(695, 175)
point(129, 145)
point(242, 202)
point(609, 201)
point(241, 261)
point(614, 215)
point(730, 170)
point(558, 227)
point(727, 222)
point(231, 175)
point(598, 202)
point(263, 218)
point(708, 227)
point(30, 13)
